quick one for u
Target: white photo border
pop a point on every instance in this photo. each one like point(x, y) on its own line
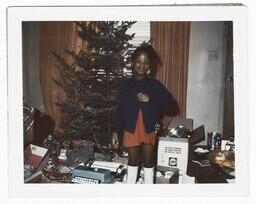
point(15, 17)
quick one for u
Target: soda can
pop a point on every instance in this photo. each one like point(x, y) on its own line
point(214, 140)
point(217, 141)
point(210, 141)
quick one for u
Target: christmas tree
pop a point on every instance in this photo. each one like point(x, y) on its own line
point(91, 81)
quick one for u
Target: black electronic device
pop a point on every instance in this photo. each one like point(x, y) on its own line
point(197, 135)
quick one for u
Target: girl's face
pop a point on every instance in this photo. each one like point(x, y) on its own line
point(141, 64)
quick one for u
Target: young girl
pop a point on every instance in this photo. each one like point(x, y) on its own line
point(139, 102)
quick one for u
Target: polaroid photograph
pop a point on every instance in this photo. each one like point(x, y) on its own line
point(118, 96)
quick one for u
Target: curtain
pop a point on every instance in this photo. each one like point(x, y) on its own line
point(171, 42)
point(58, 37)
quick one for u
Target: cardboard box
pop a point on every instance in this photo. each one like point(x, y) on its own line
point(36, 157)
point(35, 178)
point(173, 152)
point(168, 175)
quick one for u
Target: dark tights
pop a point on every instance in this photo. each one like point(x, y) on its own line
point(143, 154)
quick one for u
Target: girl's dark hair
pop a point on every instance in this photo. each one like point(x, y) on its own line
point(149, 50)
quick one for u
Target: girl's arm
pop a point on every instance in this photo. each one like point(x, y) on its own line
point(162, 99)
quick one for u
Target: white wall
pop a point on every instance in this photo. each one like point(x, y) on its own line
point(205, 93)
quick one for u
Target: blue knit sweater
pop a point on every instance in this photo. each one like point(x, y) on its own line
point(128, 105)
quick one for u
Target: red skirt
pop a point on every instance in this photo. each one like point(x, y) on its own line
point(140, 135)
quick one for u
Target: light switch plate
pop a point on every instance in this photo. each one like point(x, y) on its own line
point(213, 55)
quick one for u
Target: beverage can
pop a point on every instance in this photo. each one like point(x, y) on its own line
point(214, 140)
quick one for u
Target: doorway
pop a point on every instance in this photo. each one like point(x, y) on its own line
point(228, 120)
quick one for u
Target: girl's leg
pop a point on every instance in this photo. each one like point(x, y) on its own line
point(147, 157)
point(133, 163)
point(133, 156)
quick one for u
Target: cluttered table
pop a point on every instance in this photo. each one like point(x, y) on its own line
point(199, 167)
point(53, 160)
point(203, 170)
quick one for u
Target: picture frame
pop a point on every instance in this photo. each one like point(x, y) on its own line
point(16, 15)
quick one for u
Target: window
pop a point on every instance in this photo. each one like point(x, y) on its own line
point(142, 34)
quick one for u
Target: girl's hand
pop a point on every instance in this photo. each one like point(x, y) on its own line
point(115, 140)
point(143, 97)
